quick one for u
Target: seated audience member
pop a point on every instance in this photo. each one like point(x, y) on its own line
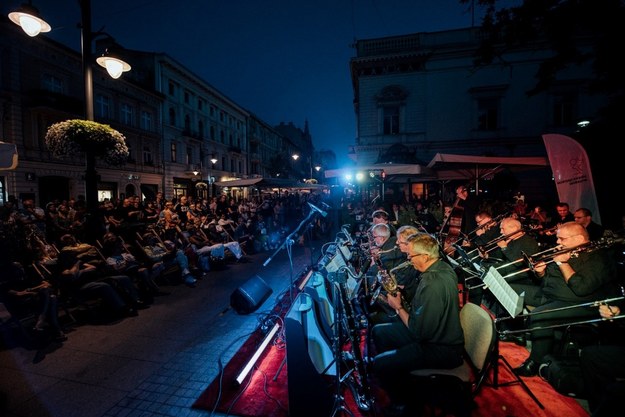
point(569, 278)
point(583, 216)
point(121, 261)
point(603, 367)
point(167, 254)
point(202, 245)
point(82, 270)
point(26, 292)
point(428, 334)
point(244, 233)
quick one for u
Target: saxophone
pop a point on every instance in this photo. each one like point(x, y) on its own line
point(388, 281)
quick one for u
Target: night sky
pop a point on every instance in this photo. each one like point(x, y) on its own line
point(283, 60)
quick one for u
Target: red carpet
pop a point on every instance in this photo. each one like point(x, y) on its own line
point(264, 397)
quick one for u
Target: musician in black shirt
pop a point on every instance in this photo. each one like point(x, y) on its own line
point(429, 334)
point(568, 279)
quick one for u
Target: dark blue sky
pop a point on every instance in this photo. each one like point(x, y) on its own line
point(284, 60)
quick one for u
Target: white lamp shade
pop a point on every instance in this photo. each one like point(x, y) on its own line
point(115, 67)
point(32, 25)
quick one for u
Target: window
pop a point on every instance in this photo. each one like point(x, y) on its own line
point(212, 133)
point(390, 101)
point(240, 167)
point(102, 106)
point(172, 116)
point(390, 120)
point(172, 88)
point(187, 123)
point(146, 120)
point(53, 83)
point(200, 128)
point(212, 111)
point(172, 152)
point(200, 104)
point(222, 136)
point(189, 160)
point(487, 113)
point(126, 113)
point(187, 97)
point(564, 109)
point(131, 157)
point(223, 163)
point(147, 156)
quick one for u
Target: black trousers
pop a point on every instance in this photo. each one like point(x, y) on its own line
point(399, 353)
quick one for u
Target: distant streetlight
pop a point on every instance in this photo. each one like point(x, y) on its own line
point(27, 17)
point(295, 156)
point(210, 176)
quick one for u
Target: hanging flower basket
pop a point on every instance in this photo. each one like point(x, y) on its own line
point(76, 137)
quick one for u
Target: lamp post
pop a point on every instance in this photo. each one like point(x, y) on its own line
point(210, 176)
point(295, 158)
point(27, 17)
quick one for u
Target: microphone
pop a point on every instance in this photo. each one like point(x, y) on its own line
point(318, 210)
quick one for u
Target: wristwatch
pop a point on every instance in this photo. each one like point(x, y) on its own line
point(561, 262)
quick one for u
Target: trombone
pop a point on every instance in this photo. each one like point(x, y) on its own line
point(553, 326)
point(491, 245)
point(547, 256)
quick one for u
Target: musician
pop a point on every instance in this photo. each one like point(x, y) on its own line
point(486, 232)
point(603, 367)
point(573, 276)
point(403, 233)
point(583, 216)
point(382, 217)
point(387, 257)
point(513, 247)
point(469, 206)
point(429, 334)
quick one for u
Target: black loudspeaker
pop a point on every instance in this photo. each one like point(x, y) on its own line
point(249, 296)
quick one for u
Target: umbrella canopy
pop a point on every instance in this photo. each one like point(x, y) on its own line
point(471, 167)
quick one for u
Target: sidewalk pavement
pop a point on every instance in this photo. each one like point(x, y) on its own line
point(155, 364)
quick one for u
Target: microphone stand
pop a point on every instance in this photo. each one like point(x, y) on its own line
point(288, 242)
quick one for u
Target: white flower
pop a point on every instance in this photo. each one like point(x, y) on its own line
point(74, 137)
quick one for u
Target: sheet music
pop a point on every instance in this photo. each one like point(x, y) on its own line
point(503, 292)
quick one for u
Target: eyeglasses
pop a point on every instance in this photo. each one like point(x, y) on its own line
point(416, 254)
point(566, 237)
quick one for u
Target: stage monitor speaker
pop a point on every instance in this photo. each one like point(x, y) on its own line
point(251, 295)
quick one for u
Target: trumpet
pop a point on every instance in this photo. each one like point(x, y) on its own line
point(492, 222)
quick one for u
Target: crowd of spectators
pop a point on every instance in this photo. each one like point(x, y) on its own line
point(115, 261)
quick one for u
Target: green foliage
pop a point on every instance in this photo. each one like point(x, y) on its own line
point(75, 137)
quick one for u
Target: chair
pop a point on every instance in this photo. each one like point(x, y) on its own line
point(463, 383)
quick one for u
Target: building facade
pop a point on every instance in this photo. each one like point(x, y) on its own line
point(183, 134)
point(422, 91)
point(421, 94)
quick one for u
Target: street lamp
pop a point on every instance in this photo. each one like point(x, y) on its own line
point(27, 17)
point(210, 176)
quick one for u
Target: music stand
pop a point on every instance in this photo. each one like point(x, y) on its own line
point(513, 303)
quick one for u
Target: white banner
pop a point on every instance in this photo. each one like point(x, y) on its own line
point(571, 172)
